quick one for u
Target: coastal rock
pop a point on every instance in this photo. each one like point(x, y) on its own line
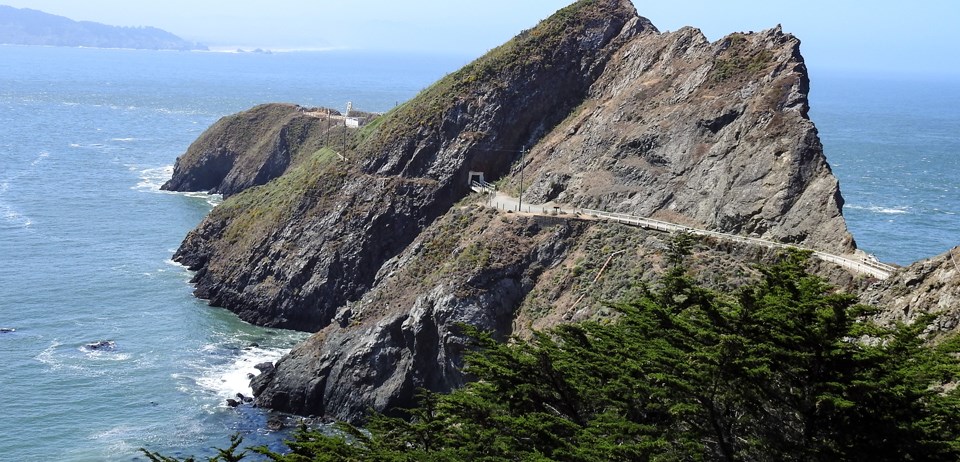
point(264, 367)
point(470, 268)
point(290, 253)
point(101, 345)
point(930, 286)
point(712, 135)
point(250, 148)
point(615, 115)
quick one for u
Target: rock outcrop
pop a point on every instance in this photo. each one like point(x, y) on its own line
point(365, 243)
point(930, 286)
point(712, 135)
point(291, 252)
point(250, 148)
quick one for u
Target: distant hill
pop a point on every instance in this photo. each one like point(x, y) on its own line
point(31, 27)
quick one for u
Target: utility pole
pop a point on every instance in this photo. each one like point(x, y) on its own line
point(523, 152)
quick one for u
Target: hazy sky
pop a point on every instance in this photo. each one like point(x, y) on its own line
point(873, 36)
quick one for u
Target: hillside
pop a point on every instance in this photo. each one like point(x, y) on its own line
point(24, 26)
point(371, 237)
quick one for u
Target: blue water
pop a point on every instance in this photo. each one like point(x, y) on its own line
point(87, 136)
point(894, 143)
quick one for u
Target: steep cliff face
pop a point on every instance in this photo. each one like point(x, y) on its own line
point(472, 266)
point(712, 135)
point(502, 273)
point(363, 242)
point(289, 253)
point(930, 286)
point(250, 148)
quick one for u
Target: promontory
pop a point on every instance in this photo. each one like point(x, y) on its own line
point(366, 229)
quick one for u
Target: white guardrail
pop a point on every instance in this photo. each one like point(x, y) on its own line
point(482, 187)
point(875, 269)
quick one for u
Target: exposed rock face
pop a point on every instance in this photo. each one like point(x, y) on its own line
point(292, 252)
point(930, 286)
point(712, 135)
point(470, 267)
point(366, 246)
point(248, 149)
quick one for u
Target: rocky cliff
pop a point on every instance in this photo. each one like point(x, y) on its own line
point(376, 244)
point(252, 147)
point(930, 286)
point(289, 253)
point(712, 135)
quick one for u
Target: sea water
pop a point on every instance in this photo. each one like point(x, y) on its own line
point(894, 143)
point(87, 136)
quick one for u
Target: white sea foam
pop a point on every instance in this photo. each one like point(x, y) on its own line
point(103, 355)
point(123, 139)
point(118, 439)
point(39, 158)
point(878, 209)
point(227, 379)
point(152, 178)
point(212, 199)
point(78, 360)
point(13, 217)
point(48, 357)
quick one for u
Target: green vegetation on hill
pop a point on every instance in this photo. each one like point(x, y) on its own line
point(736, 60)
point(318, 175)
point(480, 77)
point(782, 369)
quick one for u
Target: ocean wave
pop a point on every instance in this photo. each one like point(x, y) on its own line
point(123, 139)
point(14, 218)
point(879, 209)
point(190, 112)
point(212, 199)
point(79, 359)
point(227, 379)
point(39, 158)
point(151, 179)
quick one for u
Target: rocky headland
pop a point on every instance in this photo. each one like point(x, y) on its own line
point(370, 236)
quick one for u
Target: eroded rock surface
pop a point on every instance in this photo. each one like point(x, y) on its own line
point(366, 244)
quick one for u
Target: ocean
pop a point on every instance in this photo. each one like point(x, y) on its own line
point(88, 135)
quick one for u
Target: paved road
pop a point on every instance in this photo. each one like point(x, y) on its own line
point(504, 202)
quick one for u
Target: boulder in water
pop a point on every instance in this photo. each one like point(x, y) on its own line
point(101, 345)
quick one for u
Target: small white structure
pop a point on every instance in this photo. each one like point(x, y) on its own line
point(475, 177)
point(349, 109)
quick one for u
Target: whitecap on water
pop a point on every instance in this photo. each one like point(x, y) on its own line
point(14, 218)
point(879, 209)
point(39, 158)
point(78, 359)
